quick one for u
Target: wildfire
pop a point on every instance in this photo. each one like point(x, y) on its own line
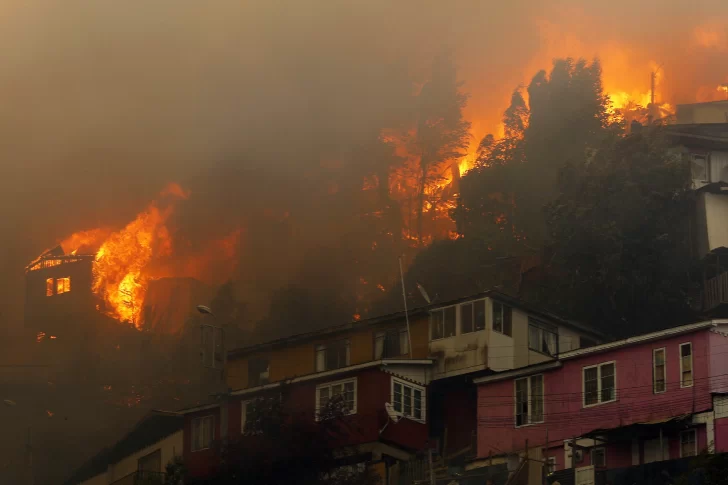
point(126, 260)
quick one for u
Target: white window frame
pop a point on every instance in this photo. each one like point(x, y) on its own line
point(601, 449)
point(457, 322)
point(423, 403)
point(654, 369)
point(200, 419)
point(599, 384)
point(540, 326)
point(694, 432)
point(692, 365)
point(336, 383)
point(529, 422)
point(324, 348)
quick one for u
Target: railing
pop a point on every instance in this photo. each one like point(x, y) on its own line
point(141, 477)
point(716, 291)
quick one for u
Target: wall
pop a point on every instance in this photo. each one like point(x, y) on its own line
point(373, 390)
point(200, 463)
point(298, 358)
point(170, 446)
point(565, 417)
point(716, 213)
point(99, 479)
point(715, 112)
point(718, 361)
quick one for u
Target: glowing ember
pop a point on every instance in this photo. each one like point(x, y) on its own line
point(40, 336)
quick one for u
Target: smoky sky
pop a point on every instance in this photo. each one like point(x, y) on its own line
point(104, 102)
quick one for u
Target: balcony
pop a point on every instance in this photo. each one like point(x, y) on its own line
point(716, 292)
point(141, 477)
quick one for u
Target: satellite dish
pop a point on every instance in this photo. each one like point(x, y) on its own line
point(393, 415)
point(424, 294)
point(205, 309)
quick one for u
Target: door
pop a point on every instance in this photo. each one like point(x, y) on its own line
point(652, 450)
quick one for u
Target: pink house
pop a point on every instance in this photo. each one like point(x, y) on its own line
point(650, 398)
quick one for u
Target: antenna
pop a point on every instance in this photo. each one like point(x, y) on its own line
point(406, 315)
point(424, 293)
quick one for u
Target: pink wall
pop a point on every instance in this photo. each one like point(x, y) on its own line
point(718, 362)
point(565, 416)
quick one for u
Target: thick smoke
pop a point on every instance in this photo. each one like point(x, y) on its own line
point(105, 102)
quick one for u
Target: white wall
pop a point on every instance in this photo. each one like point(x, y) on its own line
point(716, 215)
point(716, 112)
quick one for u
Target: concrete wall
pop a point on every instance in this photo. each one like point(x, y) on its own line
point(565, 416)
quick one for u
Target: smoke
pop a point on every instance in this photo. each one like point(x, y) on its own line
point(243, 103)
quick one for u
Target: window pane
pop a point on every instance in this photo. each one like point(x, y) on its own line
point(507, 324)
point(685, 350)
point(659, 371)
point(49, 287)
point(534, 335)
point(407, 401)
point(521, 402)
point(536, 399)
point(418, 404)
point(320, 358)
point(466, 318)
point(497, 317)
point(436, 322)
point(687, 443)
point(450, 321)
point(548, 342)
point(479, 315)
point(349, 396)
point(379, 345)
point(591, 387)
point(398, 397)
point(403, 342)
point(607, 382)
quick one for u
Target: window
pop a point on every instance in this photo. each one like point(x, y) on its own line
point(659, 374)
point(502, 319)
point(443, 323)
point(390, 343)
point(688, 443)
point(257, 372)
point(250, 417)
point(699, 167)
point(542, 337)
point(203, 433)
point(408, 399)
point(599, 457)
point(529, 400)
point(49, 287)
point(341, 395)
point(472, 316)
point(63, 285)
point(599, 384)
point(550, 465)
point(686, 364)
point(333, 355)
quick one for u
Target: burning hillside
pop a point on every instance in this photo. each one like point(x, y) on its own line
point(125, 261)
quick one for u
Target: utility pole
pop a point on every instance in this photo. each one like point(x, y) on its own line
point(653, 78)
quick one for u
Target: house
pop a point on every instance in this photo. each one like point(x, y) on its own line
point(141, 456)
point(424, 376)
point(611, 407)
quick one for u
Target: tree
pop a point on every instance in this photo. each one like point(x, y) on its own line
point(621, 231)
point(282, 445)
point(442, 133)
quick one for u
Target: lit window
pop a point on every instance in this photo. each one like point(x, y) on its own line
point(502, 317)
point(686, 365)
point(203, 433)
point(529, 400)
point(599, 384)
point(49, 287)
point(658, 372)
point(63, 285)
point(688, 443)
point(408, 399)
point(341, 393)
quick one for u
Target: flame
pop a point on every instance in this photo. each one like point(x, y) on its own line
point(84, 241)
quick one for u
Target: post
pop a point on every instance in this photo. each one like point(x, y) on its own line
point(429, 460)
point(406, 315)
point(662, 454)
point(29, 455)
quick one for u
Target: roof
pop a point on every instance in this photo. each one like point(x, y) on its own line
point(149, 430)
point(511, 301)
point(701, 133)
point(383, 364)
point(573, 354)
